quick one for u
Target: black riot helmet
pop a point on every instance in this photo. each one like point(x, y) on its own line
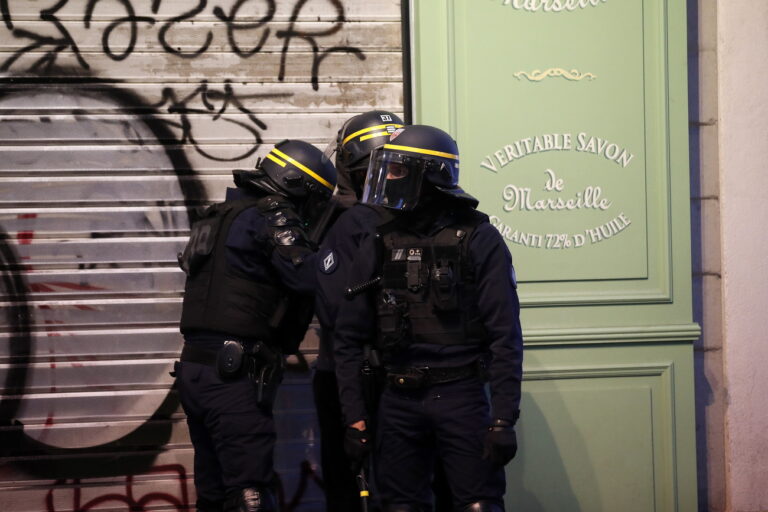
point(413, 156)
point(354, 142)
point(297, 170)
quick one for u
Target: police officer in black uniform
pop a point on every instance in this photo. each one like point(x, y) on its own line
point(248, 301)
point(352, 147)
point(434, 286)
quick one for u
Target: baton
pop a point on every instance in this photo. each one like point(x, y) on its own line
point(362, 484)
point(357, 289)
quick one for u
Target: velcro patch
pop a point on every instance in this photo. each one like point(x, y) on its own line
point(414, 254)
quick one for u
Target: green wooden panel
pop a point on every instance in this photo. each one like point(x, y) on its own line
point(572, 127)
point(574, 431)
point(562, 163)
point(582, 101)
point(605, 429)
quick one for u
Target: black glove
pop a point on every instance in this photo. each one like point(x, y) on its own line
point(357, 445)
point(500, 443)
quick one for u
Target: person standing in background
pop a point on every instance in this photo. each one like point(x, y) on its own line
point(352, 147)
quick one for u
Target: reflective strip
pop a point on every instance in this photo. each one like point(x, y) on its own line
point(275, 159)
point(369, 129)
point(364, 494)
point(303, 167)
point(372, 135)
point(422, 151)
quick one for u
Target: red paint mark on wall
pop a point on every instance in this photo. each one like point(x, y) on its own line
point(176, 495)
point(51, 330)
point(25, 237)
point(26, 216)
point(50, 286)
point(178, 498)
point(56, 286)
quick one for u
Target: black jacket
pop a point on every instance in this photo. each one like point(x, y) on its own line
point(498, 306)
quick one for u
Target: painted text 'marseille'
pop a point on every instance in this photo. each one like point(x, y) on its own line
point(519, 198)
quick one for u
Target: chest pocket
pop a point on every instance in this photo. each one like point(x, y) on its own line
point(426, 290)
point(429, 275)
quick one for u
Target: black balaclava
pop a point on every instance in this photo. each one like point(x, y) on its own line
point(349, 182)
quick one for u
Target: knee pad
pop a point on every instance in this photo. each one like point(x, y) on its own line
point(483, 506)
point(251, 499)
point(403, 507)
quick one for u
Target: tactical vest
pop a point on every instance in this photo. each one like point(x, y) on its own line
point(218, 297)
point(428, 290)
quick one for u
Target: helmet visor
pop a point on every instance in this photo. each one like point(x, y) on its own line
point(393, 180)
point(330, 149)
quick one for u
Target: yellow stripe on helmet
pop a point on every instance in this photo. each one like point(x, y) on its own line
point(422, 151)
point(372, 135)
point(275, 159)
point(303, 167)
point(369, 129)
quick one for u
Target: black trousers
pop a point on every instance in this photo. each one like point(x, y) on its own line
point(447, 422)
point(233, 435)
point(341, 492)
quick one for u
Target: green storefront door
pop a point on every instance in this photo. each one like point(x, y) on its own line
point(571, 118)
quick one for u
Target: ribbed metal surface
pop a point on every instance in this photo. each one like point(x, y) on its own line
point(114, 124)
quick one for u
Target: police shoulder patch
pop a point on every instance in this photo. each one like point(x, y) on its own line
point(328, 261)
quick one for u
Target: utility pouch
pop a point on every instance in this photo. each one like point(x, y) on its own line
point(408, 379)
point(443, 288)
point(373, 377)
point(394, 323)
point(413, 276)
point(230, 359)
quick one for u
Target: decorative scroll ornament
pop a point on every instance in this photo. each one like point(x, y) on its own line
point(537, 75)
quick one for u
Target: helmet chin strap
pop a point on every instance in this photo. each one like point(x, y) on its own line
point(331, 148)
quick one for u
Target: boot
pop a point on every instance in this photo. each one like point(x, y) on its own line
point(251, 499)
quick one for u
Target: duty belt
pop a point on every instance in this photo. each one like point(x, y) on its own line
point(262, 365)
point(195, 354)
point(422, 376)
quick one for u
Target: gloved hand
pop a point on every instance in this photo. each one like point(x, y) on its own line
point(357, 445)
point(500, 443)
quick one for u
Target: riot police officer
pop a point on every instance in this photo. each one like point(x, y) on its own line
point(435, 288)
point(248, 300)
point(352, 147)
